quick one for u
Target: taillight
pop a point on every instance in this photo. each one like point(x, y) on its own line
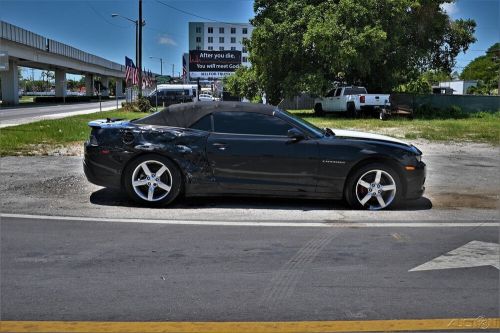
point(362, 99)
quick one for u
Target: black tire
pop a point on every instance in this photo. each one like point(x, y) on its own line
point(350, 189)
point(318, 110)
point(171, 177)
point(351, 110)
point(383, 115)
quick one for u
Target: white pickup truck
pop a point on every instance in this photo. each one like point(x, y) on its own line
point(350, 99)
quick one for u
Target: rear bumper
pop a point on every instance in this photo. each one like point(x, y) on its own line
point(415, 182)
point(99, 172)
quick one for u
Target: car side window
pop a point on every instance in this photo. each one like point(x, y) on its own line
point(249, 123)
point(338, 92)
point(204, 124)
point(331, 93)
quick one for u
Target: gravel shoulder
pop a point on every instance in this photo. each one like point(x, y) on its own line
point(462, 185)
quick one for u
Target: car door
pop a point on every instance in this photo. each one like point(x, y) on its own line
point(250, 152)
point(336, 100)
point(328, 101)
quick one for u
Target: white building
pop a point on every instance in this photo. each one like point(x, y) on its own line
point(214, 36)
point(458, 87)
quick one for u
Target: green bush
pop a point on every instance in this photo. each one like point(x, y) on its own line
point(425, 111)
point(141, 105)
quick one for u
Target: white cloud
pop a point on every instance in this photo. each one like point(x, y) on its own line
point(166, 40)
point(450, 8)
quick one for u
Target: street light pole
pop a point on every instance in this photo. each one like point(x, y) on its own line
point(140, 48)
point(161, 64)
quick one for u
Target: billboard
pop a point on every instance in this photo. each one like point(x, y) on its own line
point(213, 64)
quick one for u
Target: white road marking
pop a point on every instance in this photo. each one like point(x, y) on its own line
point(28, 120)
point(353, 224)
point(472, 254)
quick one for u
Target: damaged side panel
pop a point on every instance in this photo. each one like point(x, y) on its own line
point(123, 141)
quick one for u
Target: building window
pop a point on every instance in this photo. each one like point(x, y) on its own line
point(233, 40)
point(233, 48)
point(244, 31)
point(221, 30)
point(244, 40)
point(221, 48)
point(244, 50)
point(198, 47)
point(210, 39)
point(221, 39)
point(198, 30)
point(210, 48)
point(245, 59)
point(210, 30)
point(233, 30)
point(198, 39)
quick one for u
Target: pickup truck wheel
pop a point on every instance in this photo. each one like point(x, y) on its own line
point(351, 110)
point(318, 110)
point(383, 115)
point(152, 180)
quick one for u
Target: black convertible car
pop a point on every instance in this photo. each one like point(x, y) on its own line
point(231, 148)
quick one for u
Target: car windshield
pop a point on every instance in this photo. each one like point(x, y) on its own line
point(303, 123)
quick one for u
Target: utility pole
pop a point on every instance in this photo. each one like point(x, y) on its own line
point(139, 61)
point(173, 71)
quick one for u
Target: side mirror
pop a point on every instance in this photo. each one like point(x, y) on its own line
point(295, 134)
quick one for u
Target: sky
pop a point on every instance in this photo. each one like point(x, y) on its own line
point(88, 25)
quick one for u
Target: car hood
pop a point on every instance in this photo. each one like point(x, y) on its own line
point(367, 136)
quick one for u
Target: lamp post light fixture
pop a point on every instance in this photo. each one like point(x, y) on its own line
point(138, 41)
point(161, 64)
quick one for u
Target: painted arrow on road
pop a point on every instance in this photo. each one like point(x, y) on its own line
point(472, 254)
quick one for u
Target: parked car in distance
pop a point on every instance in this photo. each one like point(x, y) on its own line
point(350, 99)
point(206, 98)
point(246, 149)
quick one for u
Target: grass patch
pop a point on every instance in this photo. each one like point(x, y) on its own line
point(480, 127)
point(19, 140)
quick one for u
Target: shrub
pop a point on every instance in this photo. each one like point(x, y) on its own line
point(425, 111)
point(141, 105)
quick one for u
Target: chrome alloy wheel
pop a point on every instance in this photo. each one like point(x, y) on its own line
point(375, 188)
point(151, 180)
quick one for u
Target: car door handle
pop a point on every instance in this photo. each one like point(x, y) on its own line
point(220, 146)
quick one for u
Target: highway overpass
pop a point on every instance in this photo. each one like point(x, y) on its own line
point(20, 47)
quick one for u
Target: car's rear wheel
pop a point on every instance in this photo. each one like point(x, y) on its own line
point(152, 179)
point(318, 110)
point(374, 186)
point(351, 110)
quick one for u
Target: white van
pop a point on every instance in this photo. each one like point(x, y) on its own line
point(168, 94)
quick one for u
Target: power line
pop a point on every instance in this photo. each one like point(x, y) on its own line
point(193, 14)
point(104, 18)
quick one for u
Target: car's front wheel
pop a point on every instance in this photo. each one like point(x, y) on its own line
point(374, 186)
point(152, 179)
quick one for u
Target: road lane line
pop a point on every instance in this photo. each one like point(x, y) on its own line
point(253, 327)
point(306, 224)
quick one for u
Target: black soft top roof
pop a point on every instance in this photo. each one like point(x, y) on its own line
point(186, 114)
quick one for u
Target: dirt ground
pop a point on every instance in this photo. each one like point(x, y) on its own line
point(462, 184)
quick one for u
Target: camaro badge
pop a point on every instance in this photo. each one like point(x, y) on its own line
point(333, 162)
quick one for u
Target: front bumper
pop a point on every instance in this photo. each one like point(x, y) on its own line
point(415, 181)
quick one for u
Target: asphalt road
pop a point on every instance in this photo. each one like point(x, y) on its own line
point(104, 271)
point(18, 115)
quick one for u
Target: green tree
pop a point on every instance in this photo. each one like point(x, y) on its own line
point(307, 45)
point(485, 69)
point(243, 83)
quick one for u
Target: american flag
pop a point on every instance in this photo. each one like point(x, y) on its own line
point(131, 72)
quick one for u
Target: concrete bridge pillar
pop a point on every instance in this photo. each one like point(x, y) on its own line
point(104, 85)
point(119, 86)
point(10, 84)
point(61, 84)
point(89, 84)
